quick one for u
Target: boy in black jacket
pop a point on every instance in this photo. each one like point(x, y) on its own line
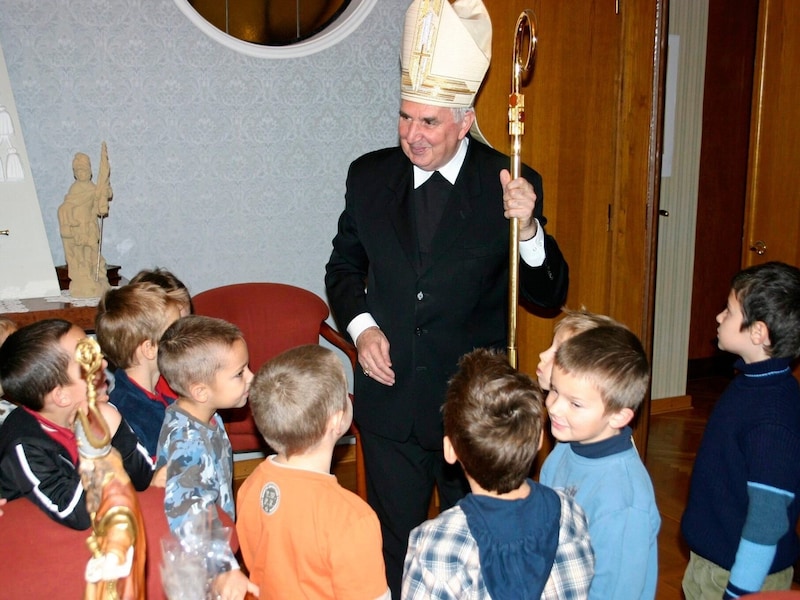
point(38, 449)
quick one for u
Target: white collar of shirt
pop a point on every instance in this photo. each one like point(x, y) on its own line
point(449, 171)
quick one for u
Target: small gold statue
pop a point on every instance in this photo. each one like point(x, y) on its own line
point(116, 570)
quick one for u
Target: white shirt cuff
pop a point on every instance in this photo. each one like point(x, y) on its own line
point(362, 322)
point(531, 251)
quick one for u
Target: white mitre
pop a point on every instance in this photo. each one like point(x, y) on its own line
point(445, 52)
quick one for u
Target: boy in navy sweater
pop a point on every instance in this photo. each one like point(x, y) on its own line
point(130, 321)
point(742, 511)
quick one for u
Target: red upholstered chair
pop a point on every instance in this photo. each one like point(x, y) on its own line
point(40, 558)
point(273, 317)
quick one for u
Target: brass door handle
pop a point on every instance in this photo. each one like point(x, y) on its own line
point(5, 232)
point(759, 248)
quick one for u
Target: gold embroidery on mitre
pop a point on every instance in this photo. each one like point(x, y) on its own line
point(425, 32)
point(441, 88)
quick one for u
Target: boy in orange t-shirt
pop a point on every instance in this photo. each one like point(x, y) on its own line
point(301, 533)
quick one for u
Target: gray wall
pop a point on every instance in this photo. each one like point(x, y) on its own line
point(225, 167)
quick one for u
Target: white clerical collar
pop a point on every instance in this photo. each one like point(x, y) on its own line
point(449, 171)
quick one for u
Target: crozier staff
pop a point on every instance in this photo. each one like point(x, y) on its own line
point(418, 274)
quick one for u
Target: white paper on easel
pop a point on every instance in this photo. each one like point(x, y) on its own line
point(26, 264)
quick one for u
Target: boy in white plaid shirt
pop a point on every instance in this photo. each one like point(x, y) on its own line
point(511, 537)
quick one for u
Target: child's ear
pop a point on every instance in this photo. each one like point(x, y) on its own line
point(199, 392)
point(336, 424)
point(759, 334)
point(57, 396)
point(621, 418)
point(148, 350)
point(449, 452)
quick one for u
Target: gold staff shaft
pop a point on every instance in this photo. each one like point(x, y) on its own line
point(525, 32)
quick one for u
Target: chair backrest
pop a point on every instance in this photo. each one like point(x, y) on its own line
point(273, 317)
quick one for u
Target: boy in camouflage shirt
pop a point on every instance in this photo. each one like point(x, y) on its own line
point(205, 361)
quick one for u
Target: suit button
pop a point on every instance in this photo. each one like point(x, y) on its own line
point(420, 295)
point(418, 331)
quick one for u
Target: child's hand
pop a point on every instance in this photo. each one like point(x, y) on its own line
point(111, 415)
point(159, 478)
point(234, 585)
point(2, 501)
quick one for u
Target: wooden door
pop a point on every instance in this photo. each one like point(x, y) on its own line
point(772, 208)
point(593, 132)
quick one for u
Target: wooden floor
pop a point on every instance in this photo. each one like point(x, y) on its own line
point(673, 441)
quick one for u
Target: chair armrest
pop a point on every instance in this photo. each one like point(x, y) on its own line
point(339, 341)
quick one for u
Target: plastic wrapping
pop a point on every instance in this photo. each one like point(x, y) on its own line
point(193, 557)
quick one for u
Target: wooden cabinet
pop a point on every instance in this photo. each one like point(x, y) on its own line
point(592, 130)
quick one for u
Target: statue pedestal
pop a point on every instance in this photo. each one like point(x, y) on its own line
point(112, 273)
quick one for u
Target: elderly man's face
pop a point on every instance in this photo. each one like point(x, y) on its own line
point(428, 135)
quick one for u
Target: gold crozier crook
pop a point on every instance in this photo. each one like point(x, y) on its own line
point(89, 357)
point(525, 31)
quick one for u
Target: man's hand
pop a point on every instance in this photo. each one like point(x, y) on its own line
point(373, 355)
point(519, 200)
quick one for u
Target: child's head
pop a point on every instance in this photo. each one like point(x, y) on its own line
point(493, 417)
point(296, 395)
point(762, 317)
point(37, 363)
point(205, 360)
point(599, 379)
point(166, 280)
point(7, 327)
point(131, 317)
point(573, 323)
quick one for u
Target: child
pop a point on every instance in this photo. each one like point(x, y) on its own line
point(573, 323)
point(176, 290)
point(743, 502)
point(204, 360)
point(7, 327)
point(599, 378)
point(167, 281)
point(38, 449)
point(511, 537)
point(301, 533)
point(130, 321)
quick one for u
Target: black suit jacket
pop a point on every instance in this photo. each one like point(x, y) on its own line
point(432, 315)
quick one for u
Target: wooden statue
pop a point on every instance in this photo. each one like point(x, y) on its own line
point(80, 221)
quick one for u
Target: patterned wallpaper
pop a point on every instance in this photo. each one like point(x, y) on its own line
point(225, 167)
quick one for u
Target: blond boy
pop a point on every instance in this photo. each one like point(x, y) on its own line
point(130, 321)
point(573, 323)
point(302, 534)
point(599, 379)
